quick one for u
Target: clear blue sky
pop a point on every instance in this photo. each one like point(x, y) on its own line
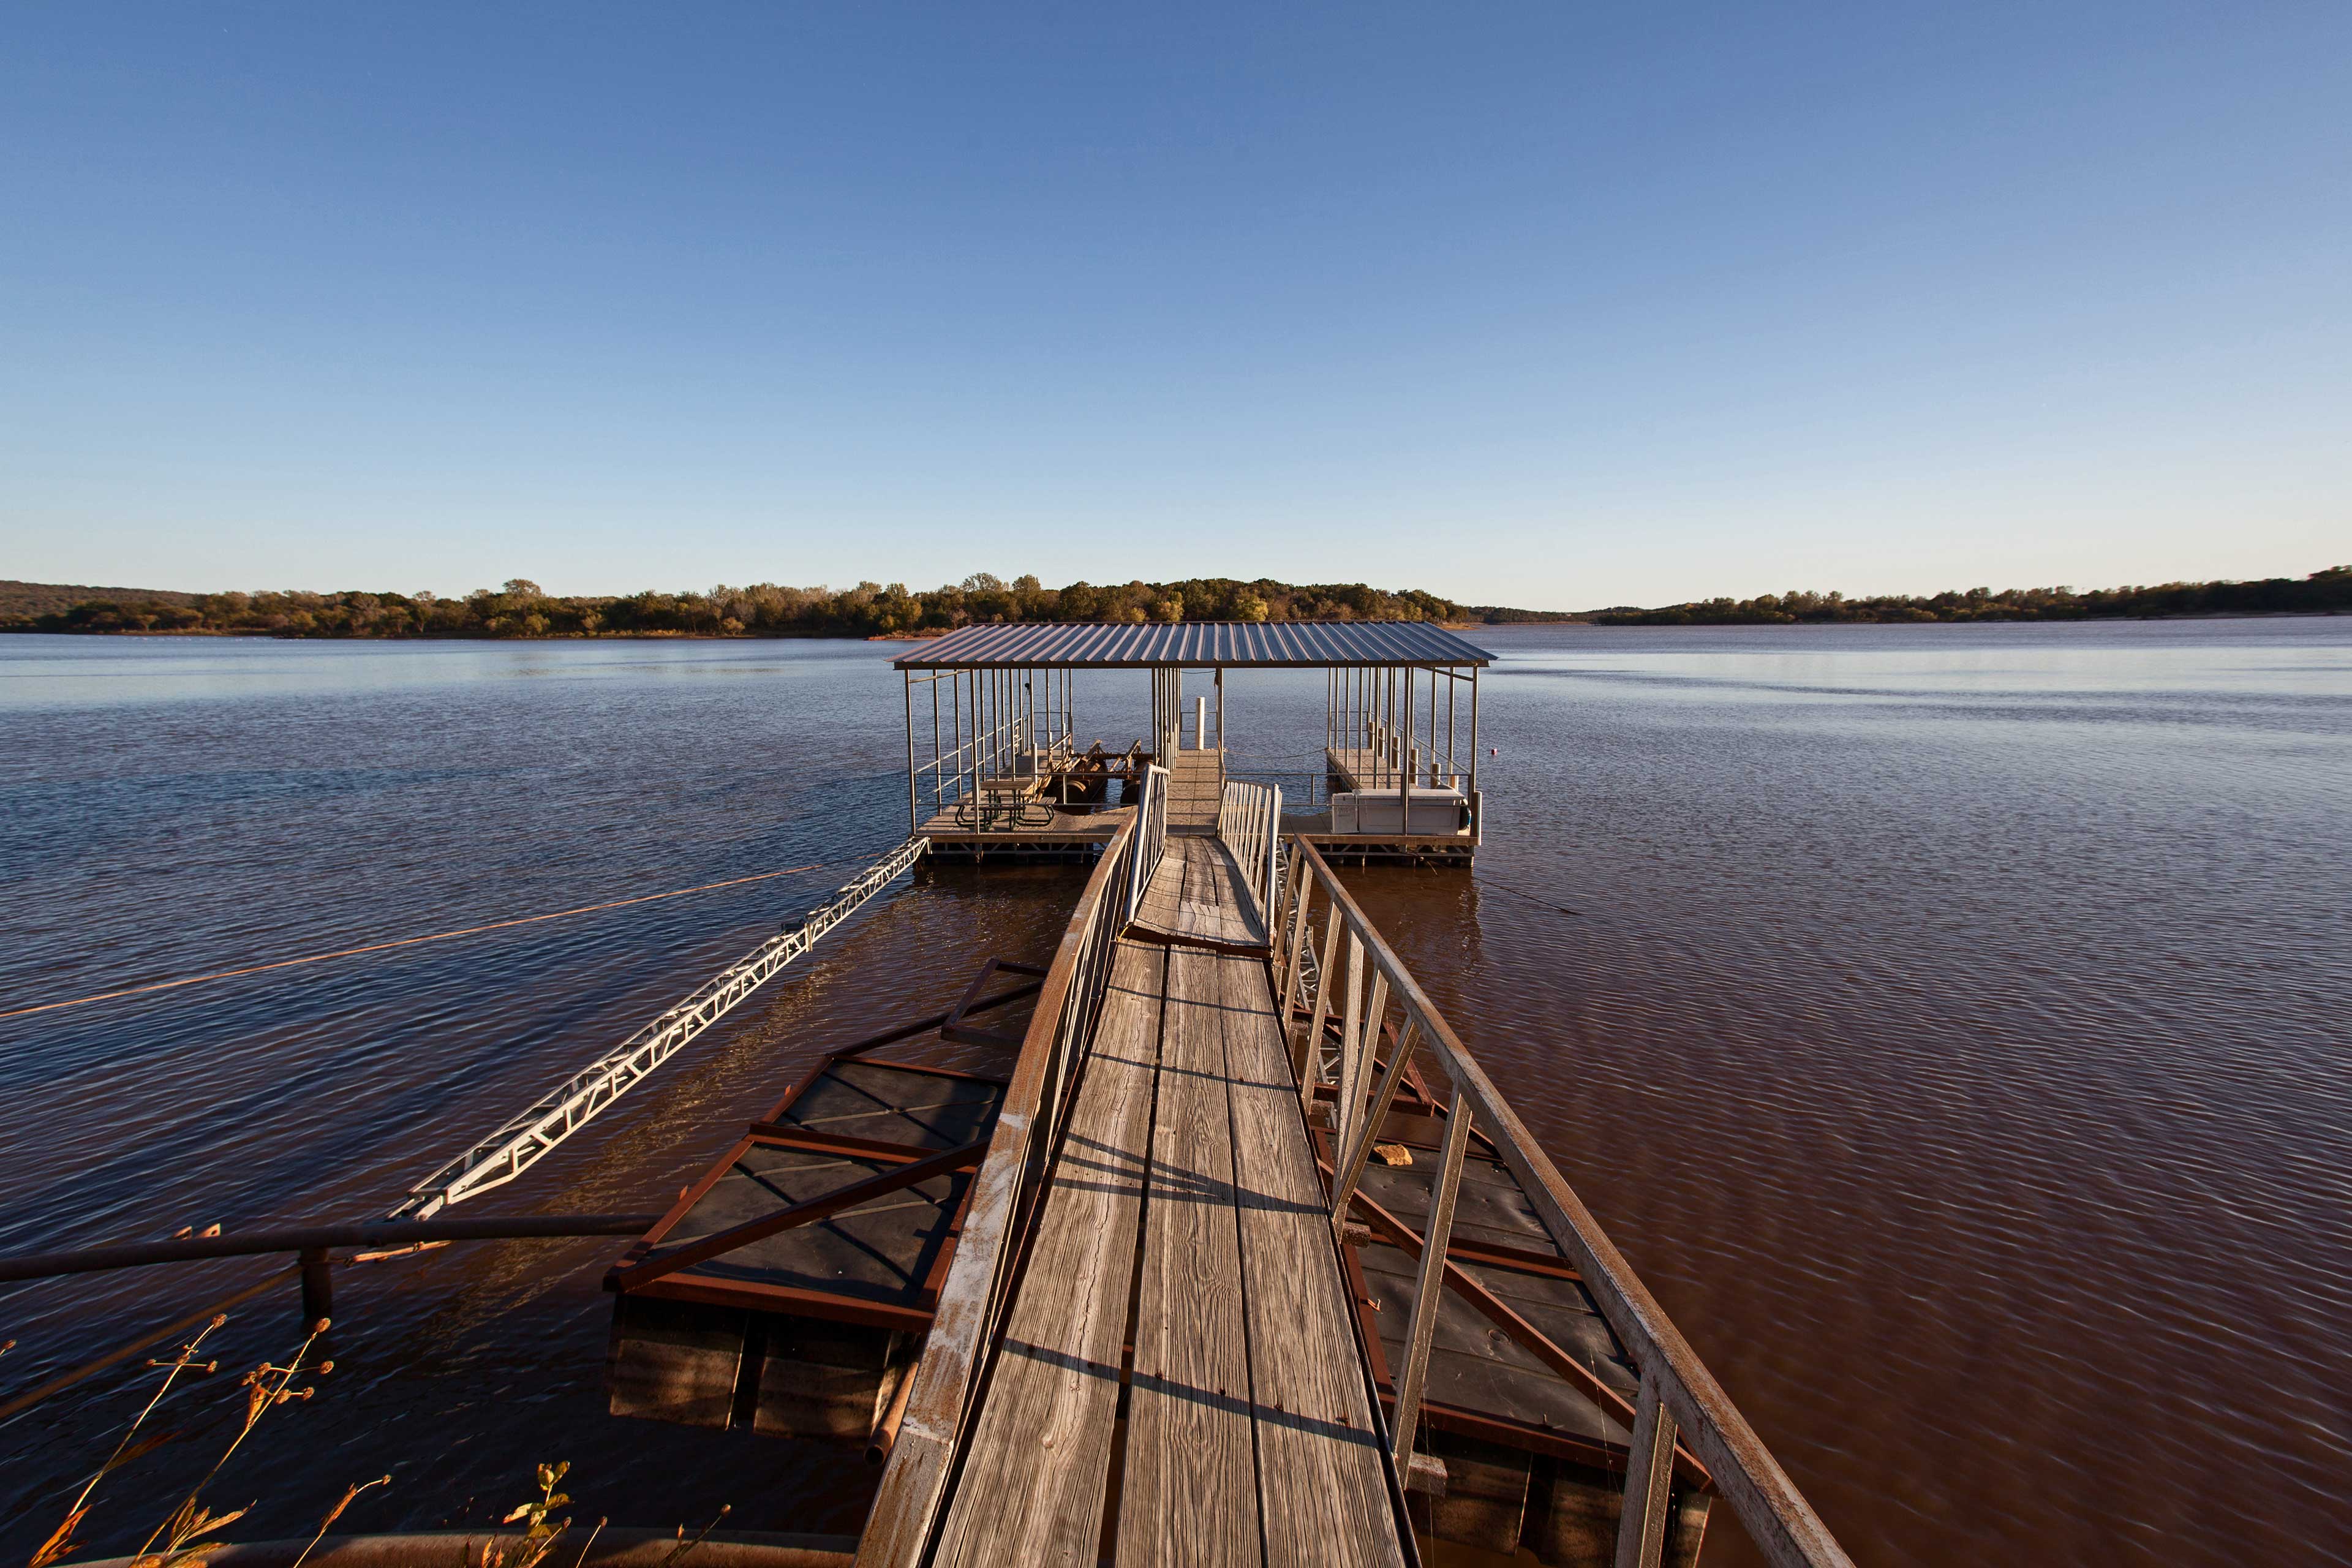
point(1553, 305)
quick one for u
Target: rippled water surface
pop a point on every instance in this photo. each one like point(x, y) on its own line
point(1951, 1022)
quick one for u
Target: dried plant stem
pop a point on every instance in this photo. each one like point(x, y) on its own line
point(336, 1513)
point(178, 1364)
point(61, 1540)
point(686, 1546)
point(183, 1522)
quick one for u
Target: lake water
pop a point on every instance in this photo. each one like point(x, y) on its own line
point(1949, 1022)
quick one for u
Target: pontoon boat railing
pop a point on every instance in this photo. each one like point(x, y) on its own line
point(1679, 1401)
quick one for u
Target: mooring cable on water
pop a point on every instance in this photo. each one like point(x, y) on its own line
point(408, 942)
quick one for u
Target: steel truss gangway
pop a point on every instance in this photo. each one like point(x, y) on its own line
point(523, 1141)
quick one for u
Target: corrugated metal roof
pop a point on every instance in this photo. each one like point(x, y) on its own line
point(1235, 645)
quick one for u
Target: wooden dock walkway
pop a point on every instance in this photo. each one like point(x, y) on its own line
point(1199, 895)
point(1189, 1322)
point(1196, 789)
point(1177, 1379)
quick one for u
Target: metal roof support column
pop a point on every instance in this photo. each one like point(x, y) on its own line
point(1474, 730)
point(1452, 769)
point(914, 818)
point(1388, 715)
point(1433, 727)
point(1404, 754)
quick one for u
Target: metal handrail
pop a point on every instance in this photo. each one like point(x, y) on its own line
point(978, 1287)
point(1678, 1394)
point(1249, 823)
point(309, 1246)
point(1151, 842)
point(372, 1234)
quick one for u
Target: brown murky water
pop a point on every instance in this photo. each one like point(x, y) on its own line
point(1949, 1022)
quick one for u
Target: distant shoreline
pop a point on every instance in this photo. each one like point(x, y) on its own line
point(1473, 627)
point(522, 611)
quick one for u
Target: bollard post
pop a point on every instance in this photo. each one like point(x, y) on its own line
point(318, 1286)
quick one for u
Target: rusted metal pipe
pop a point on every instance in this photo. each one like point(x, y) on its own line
point(115, 1357)
point(886, 1431)
point(303, 1239)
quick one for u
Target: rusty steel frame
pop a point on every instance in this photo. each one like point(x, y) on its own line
point(902, 1173)
point(641, 1274)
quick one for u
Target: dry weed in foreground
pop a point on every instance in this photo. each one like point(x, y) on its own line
point(336, 1513)
point(539, 1537)
point(685, 1546)
point(183, 1532)
point(61, 1540)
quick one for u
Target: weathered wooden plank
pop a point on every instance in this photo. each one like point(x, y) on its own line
point(1198, 895)
point(1322, 1475)
point(1191, 1490)
point(1163, 905)
point(1033, 1480)
point(1196, 787)
point(1204, 913)
point(1239, 923)
point(1429, 1292)
point(1649, 1475)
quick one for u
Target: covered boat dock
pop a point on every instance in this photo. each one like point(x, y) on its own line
point(1006, 771)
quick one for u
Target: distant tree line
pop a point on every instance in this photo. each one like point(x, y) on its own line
point(2329, 592)
point(1503, 615)
point(521, 609)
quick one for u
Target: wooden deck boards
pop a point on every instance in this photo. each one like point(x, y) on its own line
point(1359, 768)
point(1189, 1412)
point(1250, 1436)
point(1033, 1481)
point(1196, 790)
point(1321, 1473)
point(1089, 824)
point(1199, 895)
